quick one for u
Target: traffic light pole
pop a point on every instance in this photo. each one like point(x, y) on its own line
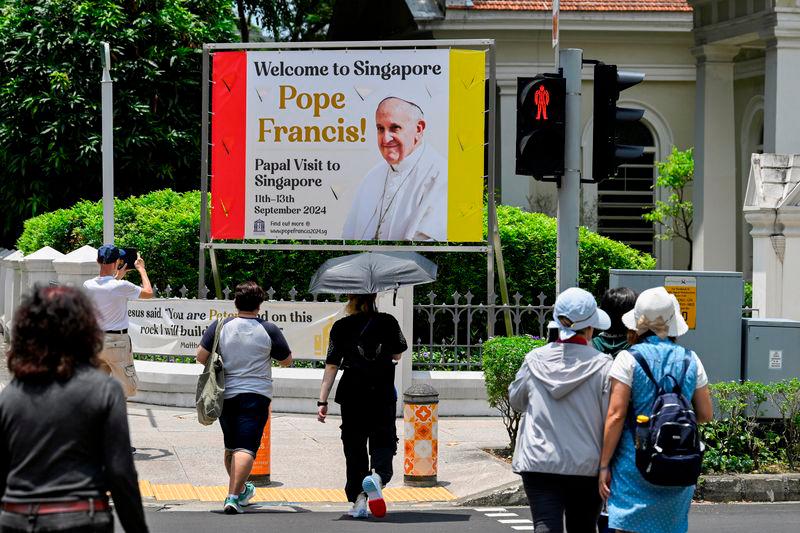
point(570, 60)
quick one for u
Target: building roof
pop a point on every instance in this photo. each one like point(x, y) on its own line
point(576, 5)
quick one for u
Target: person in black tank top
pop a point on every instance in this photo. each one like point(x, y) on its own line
point(366, 345)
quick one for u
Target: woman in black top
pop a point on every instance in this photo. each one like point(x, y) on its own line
point(366, 344)
point(64, 438)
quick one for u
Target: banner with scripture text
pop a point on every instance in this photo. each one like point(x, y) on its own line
point(174, 326)
point(371, 145)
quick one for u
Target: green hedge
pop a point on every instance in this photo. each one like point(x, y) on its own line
point(740, 439)
point(502, 358)
point(164, 226)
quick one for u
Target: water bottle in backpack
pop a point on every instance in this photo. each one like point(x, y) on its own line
point(669, 451)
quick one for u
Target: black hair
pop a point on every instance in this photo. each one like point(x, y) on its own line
point(55, 329)
point(361, 303)
point(248, 296)
point(616, 302)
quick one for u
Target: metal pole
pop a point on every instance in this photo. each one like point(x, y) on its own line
point(556, 30)
point(569, 188)
point(492, 208)
point(201, 274)
point(107, 106)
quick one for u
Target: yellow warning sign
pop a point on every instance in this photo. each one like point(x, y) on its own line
point(685, 290)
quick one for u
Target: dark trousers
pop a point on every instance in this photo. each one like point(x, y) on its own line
point(369, 439)
point(554, 497)
point(80, 522)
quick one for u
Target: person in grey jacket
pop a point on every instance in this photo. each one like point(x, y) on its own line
point(562, 392)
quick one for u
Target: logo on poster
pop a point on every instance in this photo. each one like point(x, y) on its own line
point(258, 226)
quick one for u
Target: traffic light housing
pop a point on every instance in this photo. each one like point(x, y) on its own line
point(540, 126)
point(607, 155)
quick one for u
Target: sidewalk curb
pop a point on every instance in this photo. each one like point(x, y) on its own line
point(717, 489)
point(749, 487)
point(509, 495)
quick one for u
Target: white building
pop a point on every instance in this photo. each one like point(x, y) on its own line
point(720, 76)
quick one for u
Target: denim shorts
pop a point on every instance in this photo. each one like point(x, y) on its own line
point(243, 419)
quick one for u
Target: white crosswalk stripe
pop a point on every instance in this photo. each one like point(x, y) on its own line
point(507, 518)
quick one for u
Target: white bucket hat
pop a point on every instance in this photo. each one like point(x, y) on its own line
point(576, 309)
point(658, 311)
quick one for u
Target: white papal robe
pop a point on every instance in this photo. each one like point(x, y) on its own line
point(404, 202)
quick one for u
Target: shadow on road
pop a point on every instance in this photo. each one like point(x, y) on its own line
point(412, 517)
point(151, 454)
point(255, 509)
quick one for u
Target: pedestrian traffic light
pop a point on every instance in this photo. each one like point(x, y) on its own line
point(607, 155)
point(540, 126)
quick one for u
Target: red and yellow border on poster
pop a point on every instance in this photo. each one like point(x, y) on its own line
point(258, 101)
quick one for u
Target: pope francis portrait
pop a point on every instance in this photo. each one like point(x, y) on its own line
point(404, 197)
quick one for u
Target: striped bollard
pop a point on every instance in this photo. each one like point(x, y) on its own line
point(420, 414)
point(260, 475)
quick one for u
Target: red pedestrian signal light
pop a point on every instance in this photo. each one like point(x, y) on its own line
point(540, 126)
point(542, 99)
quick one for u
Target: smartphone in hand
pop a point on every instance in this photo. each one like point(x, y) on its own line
point(130, 258)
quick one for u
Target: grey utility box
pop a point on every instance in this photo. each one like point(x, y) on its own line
point(771, 349)
point(711, 304)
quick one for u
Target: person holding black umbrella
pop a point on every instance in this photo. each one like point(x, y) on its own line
point(366, 344)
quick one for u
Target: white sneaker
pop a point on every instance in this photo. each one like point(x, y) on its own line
point(372, 485)
point(359, 509)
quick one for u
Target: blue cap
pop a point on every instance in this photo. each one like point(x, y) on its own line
point(108, 253)
point(576, 309)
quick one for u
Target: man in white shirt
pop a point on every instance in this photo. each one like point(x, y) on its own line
point(404, 197)
point(110, 295)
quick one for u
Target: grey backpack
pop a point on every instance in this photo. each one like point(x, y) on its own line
point(211, 385)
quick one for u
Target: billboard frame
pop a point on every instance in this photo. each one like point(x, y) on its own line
point(487, 246)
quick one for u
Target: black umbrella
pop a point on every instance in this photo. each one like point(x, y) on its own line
point(371, 272)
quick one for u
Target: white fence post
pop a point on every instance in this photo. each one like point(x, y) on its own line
point(38, 268)
point(77, 266)
point(11, 290)
point(3, 253)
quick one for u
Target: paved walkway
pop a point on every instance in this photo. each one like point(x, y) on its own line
point(178, 459)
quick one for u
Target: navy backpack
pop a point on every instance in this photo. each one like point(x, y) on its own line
point(669, 451)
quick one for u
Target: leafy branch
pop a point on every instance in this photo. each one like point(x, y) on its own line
point(675, 214)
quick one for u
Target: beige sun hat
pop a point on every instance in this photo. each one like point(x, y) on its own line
point(658, 311)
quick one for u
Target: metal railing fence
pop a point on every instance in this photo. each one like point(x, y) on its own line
point(448, 334)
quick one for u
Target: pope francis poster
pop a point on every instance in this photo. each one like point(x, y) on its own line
point(348, 145)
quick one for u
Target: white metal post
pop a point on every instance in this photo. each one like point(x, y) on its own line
point(107, 105)
point(571, 61)
point(556, 21)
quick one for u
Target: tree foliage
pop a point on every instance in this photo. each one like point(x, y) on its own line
point(285, 20)
point(675, 215)
point(50, 114)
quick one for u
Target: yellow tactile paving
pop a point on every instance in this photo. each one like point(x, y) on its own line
point(146, 489)
point(268, 495)
point(211, 494)
point(183, 491)
point(301, 495)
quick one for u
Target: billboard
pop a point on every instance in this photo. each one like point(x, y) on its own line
point(372, 145)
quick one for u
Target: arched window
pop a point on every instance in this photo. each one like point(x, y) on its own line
point(621, 201)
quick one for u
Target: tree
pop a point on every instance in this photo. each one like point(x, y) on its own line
point(675, 215)
point(285, 20)
point(50, 130)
